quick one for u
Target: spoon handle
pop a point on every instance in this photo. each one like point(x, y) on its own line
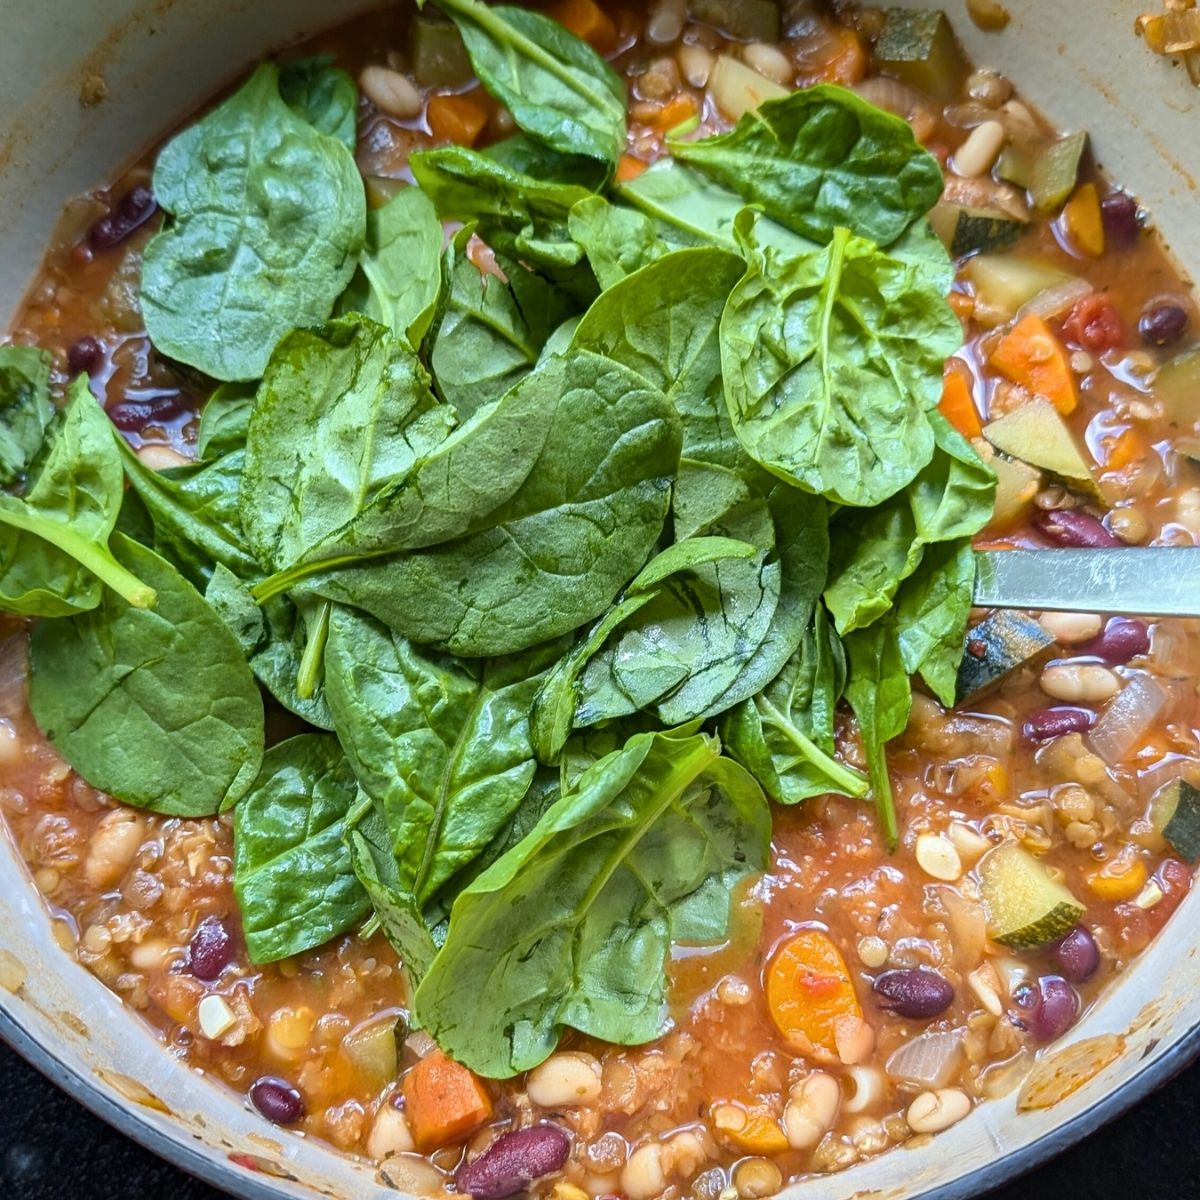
point(1158, 581)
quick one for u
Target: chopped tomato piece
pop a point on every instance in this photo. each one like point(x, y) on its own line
point(1093, 324)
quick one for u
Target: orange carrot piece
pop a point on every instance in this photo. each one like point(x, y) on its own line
point(1030, 354)
point(586, 20)
point(957, 404)
point(457, 119)
point(444, 1102)
point(675, 112)
point(1126, 449)
point(809, 990)
point(754, 1130)
point(629, 168)
point(1082, 221)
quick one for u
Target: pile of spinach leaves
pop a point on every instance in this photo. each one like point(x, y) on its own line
point(567, 567)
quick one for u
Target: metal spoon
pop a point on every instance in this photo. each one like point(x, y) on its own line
point(1157, 581)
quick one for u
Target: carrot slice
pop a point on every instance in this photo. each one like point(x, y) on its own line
point(957, 404)
point(1126, 449)
point(586, 20)
point(754, 1130)
point(457, 119)
point(1082, 221)
point(1030, 354)
point(444, 1102)
point(809, 990)
point(675, 112)
point(629, 168)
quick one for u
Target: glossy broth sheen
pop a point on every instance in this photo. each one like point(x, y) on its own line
point(130, 889)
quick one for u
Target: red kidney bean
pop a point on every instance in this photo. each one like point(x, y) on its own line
point(1049, 1009)
point(1119, 213)
point(211, 949)
point(1163, 324)
point(133, 210)
point(1121, 639)
point(917, 993)
point(1048, 723)
point(85, 356)
point(513, 1161)
point(1077, 955)
point(1073, 527)
point(132, 416)
point(276, 1100)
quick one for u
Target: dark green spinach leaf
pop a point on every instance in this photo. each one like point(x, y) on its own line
point(224, 420)
point(54, 539)
point(558, 89)
point(25, 408)
point(157, 706)
point(292, 875)
point(323, 95)
point(643, 852)
point(266, 219)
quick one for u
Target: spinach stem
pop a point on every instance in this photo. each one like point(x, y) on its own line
point(314, 653)
point(96, 557)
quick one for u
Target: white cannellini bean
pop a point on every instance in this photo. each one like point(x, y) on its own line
point(1079, 683)
point(113, 846)
point(936, 856)
point(811, 1110)
point(158, 457)
point(695, 62)
point(770, 61)
point(564, 1081)
point(643, 1176)
point(969, 843)
point(390, 92)
point(981, 149)
point(665, 23)
point(389, 1134)
point(1070, 628)
point(931, 1112)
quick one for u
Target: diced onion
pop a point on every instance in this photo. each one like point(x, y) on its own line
point(930, 1061)
point(13, 670)
point(1057, 299)
point(1124, 723)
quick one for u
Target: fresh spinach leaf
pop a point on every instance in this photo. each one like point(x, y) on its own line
point(224, 420)
point(266, 219)
point(880, 694)
point(643, 852)
point(157, 706)
point(292, 875)
point(933, 609)
point(558, 89)
point(953, 497)
point(194, 511)
point(823, 158)
point(25, 408)
point(832, 362)
point(617, 240)
point(322, 95)
point(441, 745)
point(54, 539)
point(552, 556)
point(273, 637)
point(343, 411)
point(784, 736)
point(400, 277)
point(527, 156)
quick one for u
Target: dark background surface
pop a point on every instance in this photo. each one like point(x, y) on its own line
point(51, 1149)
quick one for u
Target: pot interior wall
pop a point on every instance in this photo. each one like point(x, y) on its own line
point(153, 61)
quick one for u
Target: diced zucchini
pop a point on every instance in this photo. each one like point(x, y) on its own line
point(1036, 434)
point(436, 48)
point(997, 646)
point(737, 90)
point(1177, 388)
point(1056, 172)
point(1025, 906)
point(1016, 485)
point(966, 230)
point(1175, 813)
point(1016, 166)
point(920, 49)
point(754, 20)
point(373, 1050)
point(1005, 282)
